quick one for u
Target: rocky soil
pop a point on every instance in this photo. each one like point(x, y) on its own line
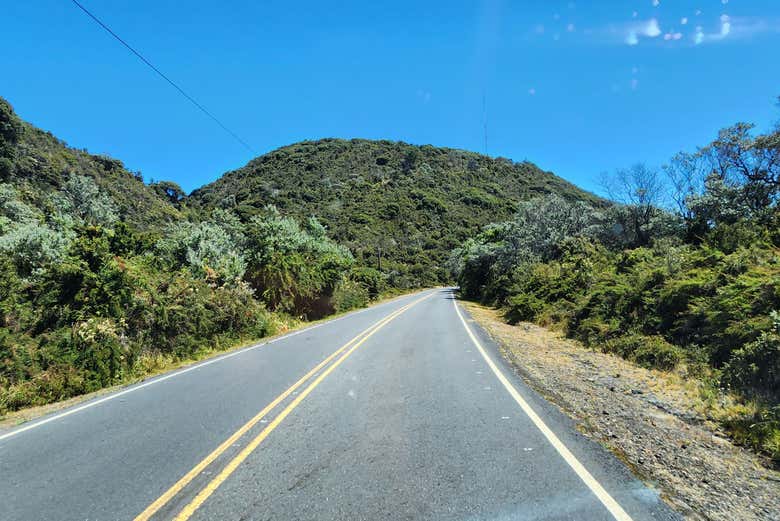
point(648, 418)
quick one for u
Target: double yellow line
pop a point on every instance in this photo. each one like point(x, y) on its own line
point(345, 350)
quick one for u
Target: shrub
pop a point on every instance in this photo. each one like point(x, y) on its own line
point(524, 306)
point(33, 246)
point(374, 281)
point(656, 352)
point(754, 370)
point(89, 202)
point(647, 351)
point(349, 295)
point(102, 351)
point(6, 168)
point(207, 249)
point(760, 429)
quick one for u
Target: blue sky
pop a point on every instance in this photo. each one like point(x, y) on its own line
point(577, 87)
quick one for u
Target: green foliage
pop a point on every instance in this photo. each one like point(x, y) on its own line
point(100, 351)
point(399, 208)
point(293, 266)
point(89, 203)
point(99, 273)
point(701, 287)
point(349, 294)
point(373, 281)
point(31, 246)
point(11, 130)
point(755, 368)
point(208, 249)
point(97, 189)
point(170, 190)
point(647, 351)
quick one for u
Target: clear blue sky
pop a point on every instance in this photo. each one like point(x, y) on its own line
point(576, 87)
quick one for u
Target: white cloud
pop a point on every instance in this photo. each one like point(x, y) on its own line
point(701, 31)
point(641, 29)
point(698, 37)
point(735, 28)
point(652, 29)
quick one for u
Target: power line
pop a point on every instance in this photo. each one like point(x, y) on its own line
point(166, 78)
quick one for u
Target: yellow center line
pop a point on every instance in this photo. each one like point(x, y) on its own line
point(598, 490)
point(209, 489)
point(200, 467)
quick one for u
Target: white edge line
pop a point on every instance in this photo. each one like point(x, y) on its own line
point(156, 380)
point(608, 501)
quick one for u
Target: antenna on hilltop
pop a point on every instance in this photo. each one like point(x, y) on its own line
point(484, 119)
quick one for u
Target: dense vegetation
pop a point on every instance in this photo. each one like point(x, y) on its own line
point(399, 208)
point(695, 286)
point(104, 278)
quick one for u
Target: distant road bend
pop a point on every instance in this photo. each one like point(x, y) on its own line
point(404, 410)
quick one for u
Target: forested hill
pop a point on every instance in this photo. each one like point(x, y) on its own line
point(409, 205)
point(46, 171)
point(398, 207)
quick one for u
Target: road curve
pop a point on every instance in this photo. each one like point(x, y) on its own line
point(404, 410)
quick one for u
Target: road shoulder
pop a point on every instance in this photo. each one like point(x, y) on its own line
point(20, 417)
point(643, 417)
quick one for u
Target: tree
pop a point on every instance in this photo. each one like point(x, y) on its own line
point(738, 158)
point(169, 190)
point(641, 192)
point(541, 225)
point(11, 128)
point(686, 173)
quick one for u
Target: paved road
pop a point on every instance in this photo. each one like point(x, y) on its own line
point(394, 412)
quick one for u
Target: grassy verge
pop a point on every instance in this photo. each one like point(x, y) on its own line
point(151, 364)
point(749, 423)
point(665, 426)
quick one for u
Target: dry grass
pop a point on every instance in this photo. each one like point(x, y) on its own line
point(666, 426)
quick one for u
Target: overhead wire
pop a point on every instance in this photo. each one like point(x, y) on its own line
point(165, 77)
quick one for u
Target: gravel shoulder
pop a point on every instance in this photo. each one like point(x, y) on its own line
point(649, 419)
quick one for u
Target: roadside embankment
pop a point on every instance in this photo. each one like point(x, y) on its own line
point(649, 419)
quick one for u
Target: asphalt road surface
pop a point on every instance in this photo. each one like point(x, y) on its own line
point(404, 410)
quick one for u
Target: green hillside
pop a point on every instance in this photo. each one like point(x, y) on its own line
point(104, 279)
point(396, 206)
point(39, 165)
